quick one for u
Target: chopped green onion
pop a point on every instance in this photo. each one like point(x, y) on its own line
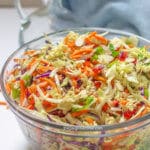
point(111, 47)
point(28, 79)
point(146, 93)
point(88, 102)
point(140, 56)
point(74, 109)
point(15, 93)
point(99, 50)
point(115, 53)
point(95, 57)
point(141, 48)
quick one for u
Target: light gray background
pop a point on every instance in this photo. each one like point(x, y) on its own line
point(11, 137)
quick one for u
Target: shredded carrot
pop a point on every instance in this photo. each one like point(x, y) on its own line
point(29, 52)
point(42, 69)
point(88, 71)
point(74, 83)
point(98, 100)
point(145, 111)
point(17, 60)
point(68, 42)
point(89, 120)
point(3, 103)
point(32, 88)
point(79, 113)
point(31, 100)
point(31, 107)
point(100, 78)
point(101, 39)
point(88, 64)
point(51, 82)
point(31, 63)
point(75, 56)
point(88, 38)
point(8, 88)
point(107, 145)
point(83, 51)
point(123, 102)
point(48, 106)
point(44, 62)
point(94, 35)
point(22, 92)
point(35, 73)
point(43, 84)
point(126, 90)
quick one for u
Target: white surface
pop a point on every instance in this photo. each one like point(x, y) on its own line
point(11, 137)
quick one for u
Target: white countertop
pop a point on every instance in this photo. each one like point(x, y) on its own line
point(11, 137)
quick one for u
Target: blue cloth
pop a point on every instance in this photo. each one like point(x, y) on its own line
point(129, 15)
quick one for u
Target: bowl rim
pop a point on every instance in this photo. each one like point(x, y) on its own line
point(17, 109)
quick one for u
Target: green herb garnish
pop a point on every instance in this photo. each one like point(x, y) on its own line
point(95, 57)
point(115, 53)
point(28, 79)
point(15, 93)
point(146, 93)
point(99, 50)
point(88, 102)
point(111, 47)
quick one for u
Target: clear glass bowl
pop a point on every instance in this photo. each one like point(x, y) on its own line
point(45, 135)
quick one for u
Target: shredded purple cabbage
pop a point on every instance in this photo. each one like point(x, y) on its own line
point(142, 91)
point(16, 65)
point(46, 74)
point(93, 115)
point(50, 119)
point(101, 139)
point(27, 93)
point(58, 112)
point(23, 71)
point(18, 78)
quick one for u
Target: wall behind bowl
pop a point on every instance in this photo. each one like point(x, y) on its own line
point(27, 3)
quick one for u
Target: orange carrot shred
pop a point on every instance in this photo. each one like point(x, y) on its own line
point(79, 113)
point(89, 120)
point(3, 103)
point(29, 52)
point(100, 78)
point(51, 82)
point(123, 102)
point(48, 105)
point(8, 88)
point(22, 92)
point(101, 38)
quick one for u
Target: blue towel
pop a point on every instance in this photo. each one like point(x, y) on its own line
point(128, 15)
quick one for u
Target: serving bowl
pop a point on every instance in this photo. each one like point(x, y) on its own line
point(46, 135)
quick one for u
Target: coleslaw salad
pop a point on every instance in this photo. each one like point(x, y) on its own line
point(85, 80)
